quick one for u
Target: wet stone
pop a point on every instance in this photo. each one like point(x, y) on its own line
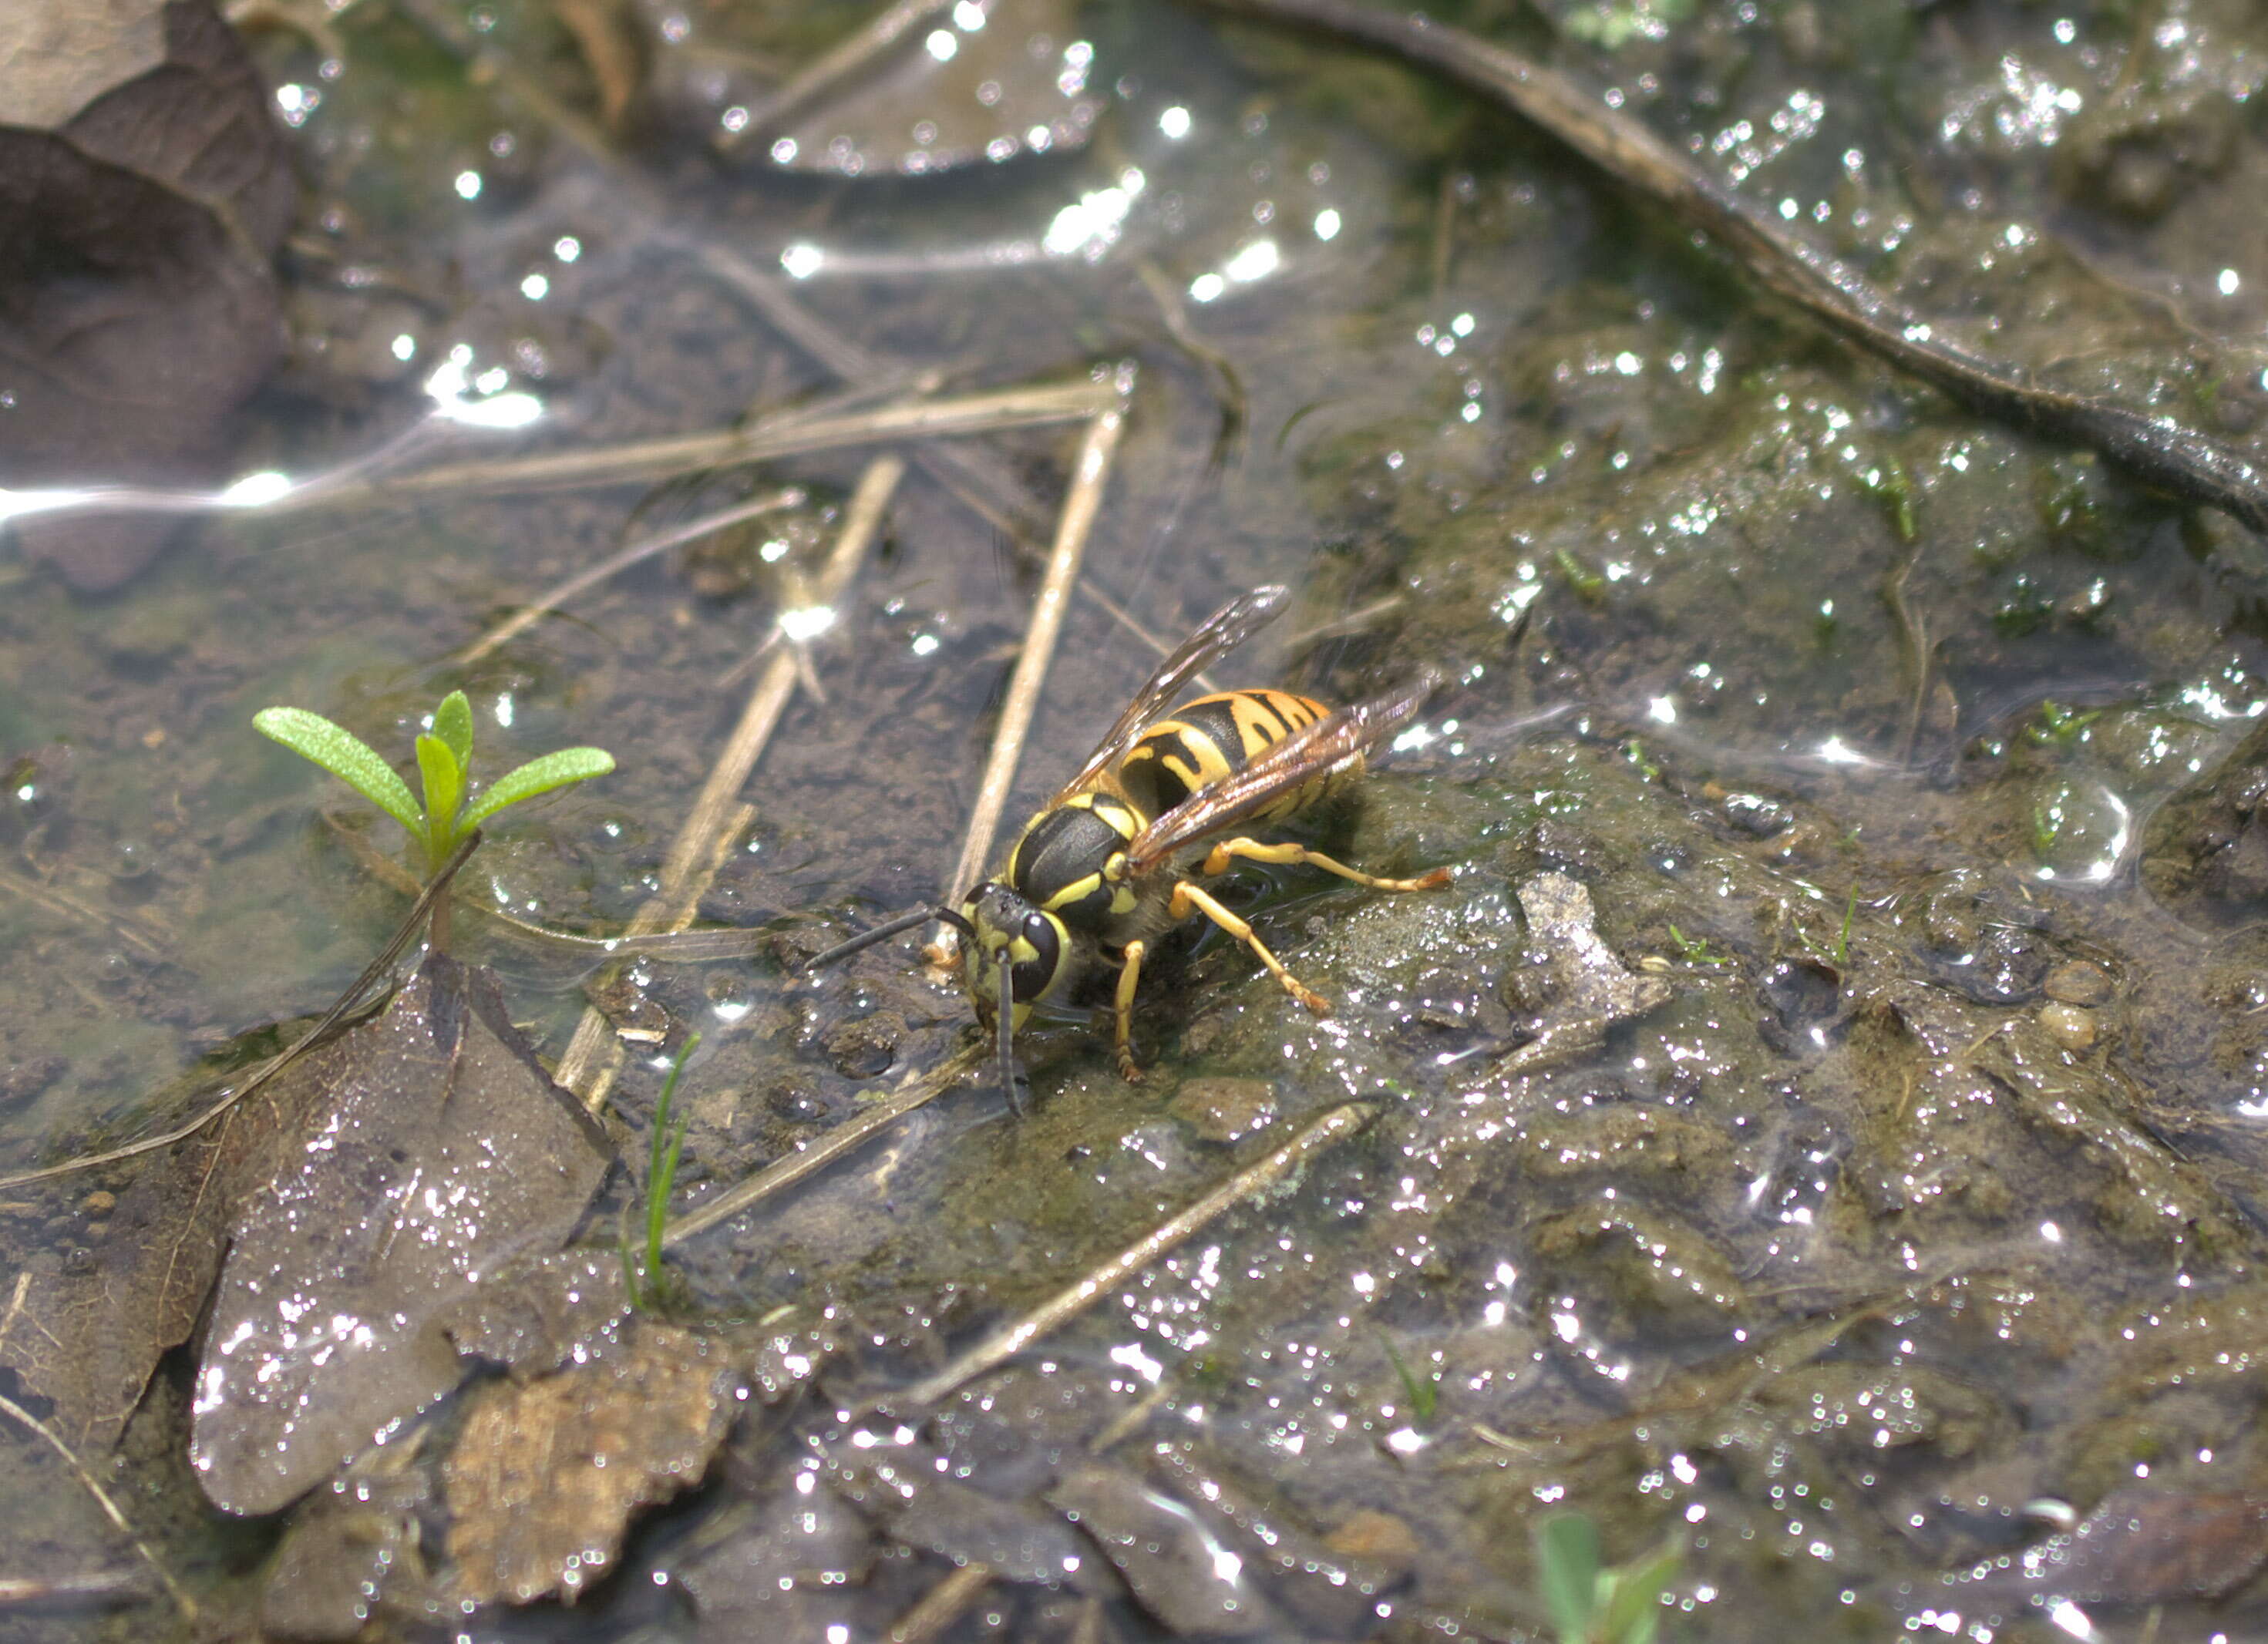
point(1225, 1110)
point(2076, 982)
point(1166, 1553)
point(2069, 1026)
point(1756, 815)
point(1378, 1539)
point(26, 1079)
point(863, 1049)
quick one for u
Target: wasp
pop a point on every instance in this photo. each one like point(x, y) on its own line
point(1104, 868)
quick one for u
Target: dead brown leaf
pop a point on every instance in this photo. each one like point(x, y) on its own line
point(547, 1473)
point(437, 1154)
point(142, 188)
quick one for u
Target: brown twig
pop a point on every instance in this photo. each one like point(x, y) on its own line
point(1090, 474)
point(594, 1054)
point(102, 1586)
point(645, 548)
point(845, 1139)
point(57, 900)
point(790, 434)
point(16, 1413)
point(941, 1606)
point(1068, 1303)
point(2156, 449)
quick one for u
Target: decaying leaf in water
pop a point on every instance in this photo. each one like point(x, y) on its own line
point(437, 1152)
point(2144, 1546)
point(1170, 1558)
point(142, 188)
point(86, 1333)
point(948, 96)
point(546, 1473)
point(347, 1545)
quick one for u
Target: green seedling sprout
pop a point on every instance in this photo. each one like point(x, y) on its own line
point(1594, 1604)
point(2059, 726)
point(1695, 949)
point(1842, 937)
point(445, 757)
point(645, 1278)
point(1424, 1394)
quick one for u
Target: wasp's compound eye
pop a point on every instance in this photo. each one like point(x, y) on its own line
point(1033, 976)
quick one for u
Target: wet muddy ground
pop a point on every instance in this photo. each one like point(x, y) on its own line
point(1822, 1127)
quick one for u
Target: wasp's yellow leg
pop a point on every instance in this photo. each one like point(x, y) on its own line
point(1253, 850)
point(1188, 897)
point(1129, 976)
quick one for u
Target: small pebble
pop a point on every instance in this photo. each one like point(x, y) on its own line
point(1225, 1110)
point(98, 1204)
point(2076, 982)
point(1379, 1537)
point(2068, 1025)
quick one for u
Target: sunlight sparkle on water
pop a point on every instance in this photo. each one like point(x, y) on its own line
point(806, 622)
point(801, 260)
point(1174, 122)
point(1089, 225)
point(256, 490)
point(942, 44)
point(1326, 223)
point(1255, 261)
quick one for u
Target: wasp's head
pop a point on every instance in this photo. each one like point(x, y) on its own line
point(1014, 957)
point(1031, 945)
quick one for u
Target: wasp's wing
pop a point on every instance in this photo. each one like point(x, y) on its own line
point(1223, 632)
point(1311, 752)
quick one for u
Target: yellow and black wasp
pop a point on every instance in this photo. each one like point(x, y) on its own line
point(1092, 878)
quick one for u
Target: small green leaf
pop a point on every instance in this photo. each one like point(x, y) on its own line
point(1633, 1611)
point(445, 791)
point(453, 722)
point(539, 776)
point(345, 756)
point(1567, 1569)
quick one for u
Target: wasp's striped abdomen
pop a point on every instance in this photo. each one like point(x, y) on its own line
point(1215, 736)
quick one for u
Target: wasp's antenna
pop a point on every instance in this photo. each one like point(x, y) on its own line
point(884, 932)
point(1007, 1032)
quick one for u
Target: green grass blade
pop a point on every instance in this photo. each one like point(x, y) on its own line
point(664, 1145)
point(445, 790)
point(1568, 1570)
point(540, 776)
point(1634, 1609)
point(453, 722)
point(345, 756)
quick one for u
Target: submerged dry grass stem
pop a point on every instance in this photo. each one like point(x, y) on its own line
point(791, 434)
point(1090, 476)
point(24, 1418)
point(918, 1091)
point(941, 1606)
point(594, 1054)
point(357, 991)
point(644, 548)
point(1099, 1281)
